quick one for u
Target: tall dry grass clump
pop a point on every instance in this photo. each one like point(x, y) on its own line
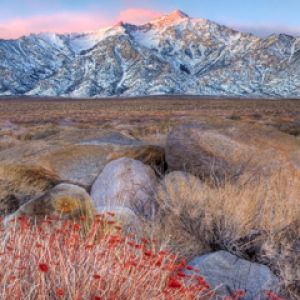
point(258, 220)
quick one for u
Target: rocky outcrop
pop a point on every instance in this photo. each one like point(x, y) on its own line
point(227, 273)
point(126, 183)
point(174, 54)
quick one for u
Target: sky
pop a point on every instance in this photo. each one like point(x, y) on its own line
point(261, 17)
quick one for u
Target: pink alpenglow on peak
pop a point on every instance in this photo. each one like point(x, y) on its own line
point(176, 16)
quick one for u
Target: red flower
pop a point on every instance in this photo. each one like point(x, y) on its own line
point(158, 262)
point(143, 240)
point(133, 263)
point(272, 296)
point(9, 248)
point(181, 274)
point(190, 268)
point(147, 253)
point(174, 284)
point(43, 268)
point(38, 245)
point(22, 219)
point(239, 294)
point(132, 244)
point(89, 247)
point(97, 298)
point(96, 276)
point(76, 227)
point(59, 292)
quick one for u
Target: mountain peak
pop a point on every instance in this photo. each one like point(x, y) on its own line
point(173, 17)
point(178, 14)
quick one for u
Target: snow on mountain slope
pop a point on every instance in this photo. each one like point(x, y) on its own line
point(86, 41)
point(173, 54)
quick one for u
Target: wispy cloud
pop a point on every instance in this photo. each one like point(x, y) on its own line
point(60, 23)
point(71, 22)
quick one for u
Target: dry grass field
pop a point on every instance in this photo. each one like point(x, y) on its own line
point(96, 111)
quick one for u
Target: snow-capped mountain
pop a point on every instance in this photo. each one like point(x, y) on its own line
point(174, 54)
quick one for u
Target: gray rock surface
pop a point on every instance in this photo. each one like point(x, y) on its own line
point(128, 183)
point(174, 54)
point(113, 138)
point(228, 273)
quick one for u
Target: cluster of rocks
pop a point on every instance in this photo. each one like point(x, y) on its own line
point(118, 173)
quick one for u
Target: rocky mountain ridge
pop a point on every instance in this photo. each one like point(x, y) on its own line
point(174, 54)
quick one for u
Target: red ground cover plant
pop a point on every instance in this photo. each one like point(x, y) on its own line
point(53, 260)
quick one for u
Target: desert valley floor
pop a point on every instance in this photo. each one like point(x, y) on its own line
point(138, 110)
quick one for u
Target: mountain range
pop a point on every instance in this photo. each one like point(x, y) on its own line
point(174, 54)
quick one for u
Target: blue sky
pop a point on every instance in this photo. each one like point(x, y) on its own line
point(262, 17)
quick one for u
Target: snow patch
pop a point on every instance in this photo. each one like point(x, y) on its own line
point(88, 40)
point(52, 39)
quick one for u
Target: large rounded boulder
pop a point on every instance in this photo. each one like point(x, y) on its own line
point(127, 183)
